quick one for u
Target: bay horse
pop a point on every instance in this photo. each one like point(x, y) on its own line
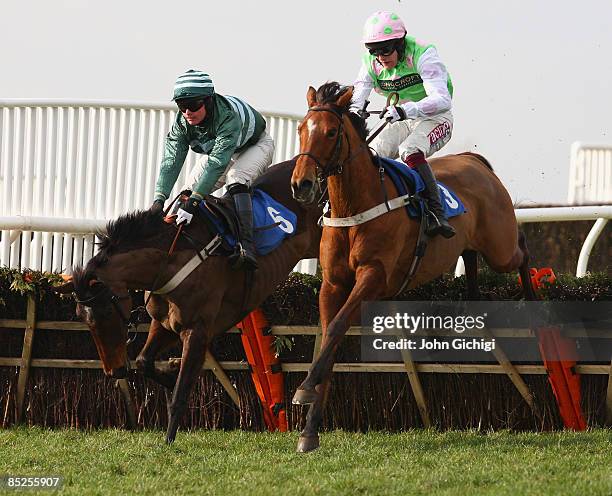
point(371, 260)
point(134, 255)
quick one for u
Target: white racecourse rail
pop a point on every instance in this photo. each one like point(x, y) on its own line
point(67, 167)
point(590, 174)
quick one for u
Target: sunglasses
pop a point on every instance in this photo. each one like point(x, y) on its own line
point(384, 50)
point(191, 105)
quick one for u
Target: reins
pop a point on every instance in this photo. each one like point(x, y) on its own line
point(323, 172)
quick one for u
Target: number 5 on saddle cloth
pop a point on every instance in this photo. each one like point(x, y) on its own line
point(272, 221)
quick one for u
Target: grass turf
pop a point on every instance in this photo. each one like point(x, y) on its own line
point(236, 462)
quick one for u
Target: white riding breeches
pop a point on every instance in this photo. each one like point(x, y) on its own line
point(244, 167)
point(403, 138)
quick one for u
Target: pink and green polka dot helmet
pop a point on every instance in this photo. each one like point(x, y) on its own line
point(382, 26)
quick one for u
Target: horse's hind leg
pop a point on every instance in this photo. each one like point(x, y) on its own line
point(470, 260)
point(519, 260)
point(158, 340)
point(528, 290)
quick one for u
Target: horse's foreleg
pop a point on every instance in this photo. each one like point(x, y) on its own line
point(470, 260)
point(158, 340)
point(194, 349)
point(369, 282)
point(309, 437)
point(331, 299)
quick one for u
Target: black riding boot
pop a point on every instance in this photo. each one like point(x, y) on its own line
point(439, 224)
point(244, 208)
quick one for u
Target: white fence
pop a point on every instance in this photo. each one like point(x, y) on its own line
point(590, 175)
point(601, 214)
point(63, 161)
point(66, 167)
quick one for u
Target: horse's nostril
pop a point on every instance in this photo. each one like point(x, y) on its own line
point(306, 185)
point(302, 189)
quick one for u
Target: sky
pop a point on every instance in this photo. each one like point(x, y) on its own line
point(530, 77)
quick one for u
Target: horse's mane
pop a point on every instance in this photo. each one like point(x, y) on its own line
point(328, 94)
point(122, 234)
point(128, 229)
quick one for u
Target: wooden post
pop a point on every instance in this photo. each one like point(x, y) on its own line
point(417, 388)
point(216, 368)
point(609, 399)
point(512, 372)
point(130, 407)
point(26, 357)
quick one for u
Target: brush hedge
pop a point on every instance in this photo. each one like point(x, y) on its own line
point(359, 401)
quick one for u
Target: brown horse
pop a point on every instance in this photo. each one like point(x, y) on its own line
point(370, 261)
point(134, 255)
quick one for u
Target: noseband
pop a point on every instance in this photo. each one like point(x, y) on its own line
point(131, 322)
point(332, 167)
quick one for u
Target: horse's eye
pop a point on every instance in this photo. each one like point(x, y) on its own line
point(331, 133)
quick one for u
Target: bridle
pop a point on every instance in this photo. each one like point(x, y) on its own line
point(329, 169)
point(133, 320)
point(333, 167)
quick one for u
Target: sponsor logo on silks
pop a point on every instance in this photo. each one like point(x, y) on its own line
point(439, 132)
point(400, 83)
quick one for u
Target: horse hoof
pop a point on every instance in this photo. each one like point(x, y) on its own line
point(305, 397)
point(306, 444)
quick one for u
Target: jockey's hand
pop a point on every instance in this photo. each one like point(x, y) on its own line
point(363, 114)
point(157, 207)
point(188, 210)
point(394, 113)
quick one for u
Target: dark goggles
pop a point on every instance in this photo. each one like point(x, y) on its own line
point(382, 50)
point(191, 105)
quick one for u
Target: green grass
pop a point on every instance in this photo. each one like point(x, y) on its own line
point(241, 463)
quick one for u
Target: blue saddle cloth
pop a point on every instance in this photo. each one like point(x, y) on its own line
point(272, 223)
point(398, 170)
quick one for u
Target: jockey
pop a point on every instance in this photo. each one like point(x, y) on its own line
point(421, 123)
point(236, 147)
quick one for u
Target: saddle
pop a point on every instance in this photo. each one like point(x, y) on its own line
point(220, 215)
point(408, 181)
point(272, 221)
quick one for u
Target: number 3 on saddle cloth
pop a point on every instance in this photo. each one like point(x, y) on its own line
point(272, 221)
point(407, 180)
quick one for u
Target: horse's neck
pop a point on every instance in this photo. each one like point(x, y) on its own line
point(137, 268)
point(148, 265)
point(357, 188)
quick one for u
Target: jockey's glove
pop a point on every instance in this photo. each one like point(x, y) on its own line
point(394, 113)
point(188, 209)
point(157, 207)
point(363, 114)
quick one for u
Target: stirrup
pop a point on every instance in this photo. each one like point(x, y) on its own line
point(438, 227)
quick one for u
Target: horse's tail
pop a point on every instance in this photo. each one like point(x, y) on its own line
point(484, 161)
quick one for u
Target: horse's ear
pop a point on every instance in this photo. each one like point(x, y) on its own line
point(345, 99)
point(67, 287)
point(311, 97)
